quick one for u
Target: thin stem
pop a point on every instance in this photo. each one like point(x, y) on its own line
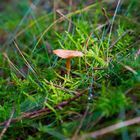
point(68, 65)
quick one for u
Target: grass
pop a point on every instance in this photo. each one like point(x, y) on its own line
point(103, 86)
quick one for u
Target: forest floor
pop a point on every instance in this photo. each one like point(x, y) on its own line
point(98, 98)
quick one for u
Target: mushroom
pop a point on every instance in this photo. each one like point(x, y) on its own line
point(67, 54)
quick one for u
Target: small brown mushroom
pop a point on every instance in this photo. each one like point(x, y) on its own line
point(67, 54)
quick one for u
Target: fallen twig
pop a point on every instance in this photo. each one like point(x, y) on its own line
point(41, 112)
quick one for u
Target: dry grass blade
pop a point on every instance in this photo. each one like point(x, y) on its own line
point(26, 62)
point(111, 128)
point(114, 43)
point(128, 68)
point(60, 20)
point(137, 54)
point(80, 125)
point(12, 65)
point(7, 124)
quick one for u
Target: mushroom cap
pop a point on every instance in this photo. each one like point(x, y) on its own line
point(67, 53)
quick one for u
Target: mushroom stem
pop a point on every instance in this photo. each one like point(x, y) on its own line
point(68, 65)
